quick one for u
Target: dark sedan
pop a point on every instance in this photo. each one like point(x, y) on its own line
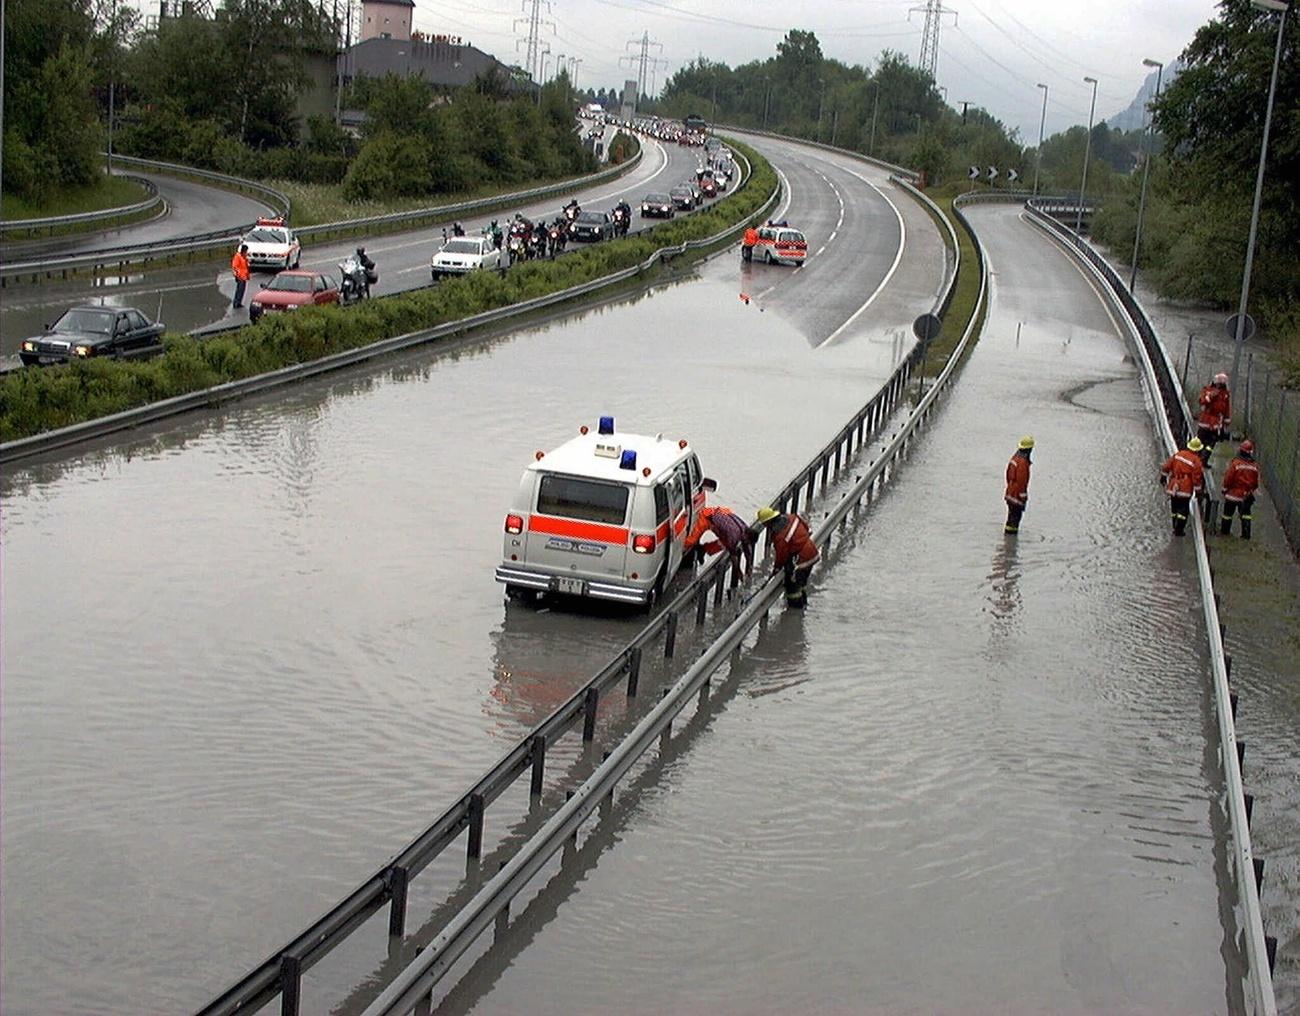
point(657, 206)
point(683, 197)
point(82, 333)
point(592, 226)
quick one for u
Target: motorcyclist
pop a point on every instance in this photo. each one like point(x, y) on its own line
point(572, 209)
point(371, 275)
point(622, 217)
point(457, 229)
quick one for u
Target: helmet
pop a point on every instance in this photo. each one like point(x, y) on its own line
point(1248, 447)
point(1194, 445)
point(361, 252)
point(1220, 378)
point(1027, 442)
point(766, 514)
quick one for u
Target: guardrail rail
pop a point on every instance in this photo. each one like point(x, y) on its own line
point(56, 223)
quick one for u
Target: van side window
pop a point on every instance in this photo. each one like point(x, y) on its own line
point(696, 475)
point(661, 504)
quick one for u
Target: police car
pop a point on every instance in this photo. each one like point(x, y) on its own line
point(602, 516)
point(781, 245)
point(272, 244)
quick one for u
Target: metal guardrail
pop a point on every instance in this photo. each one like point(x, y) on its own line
point(950, 288)
point(277, 200)
point(902, 171)
point(1175, 426)
point(52, 223)
point(205, 243)
point(412, 990)
point(39, 444)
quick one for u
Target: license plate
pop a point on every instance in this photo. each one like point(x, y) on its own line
point(572, 587)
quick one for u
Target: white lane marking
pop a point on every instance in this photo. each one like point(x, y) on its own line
point(898, 257)
point(834, 234)
point(626, 188)
point(820, 249)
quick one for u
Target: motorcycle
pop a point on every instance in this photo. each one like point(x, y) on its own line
point(620, 222)
point(571, 211)
point(354, 280)
point(515, 248)
point(537, 244)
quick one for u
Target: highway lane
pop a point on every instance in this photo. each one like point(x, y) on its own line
point(976, 775)
point(193, 296)
point(192, 208)
point(306, 653)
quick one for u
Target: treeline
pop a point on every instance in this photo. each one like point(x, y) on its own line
point(1201, 189)
point(223, 94)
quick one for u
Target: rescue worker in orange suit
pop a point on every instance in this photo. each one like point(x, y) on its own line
point(794, 552)
point(1216, 415)
point(729, 534)
point(1184, 478)
point(1017, 495)
point(1239, 485)
point(239, 265)
point(748, 243)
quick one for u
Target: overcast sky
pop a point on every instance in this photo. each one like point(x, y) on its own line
point(993, 56)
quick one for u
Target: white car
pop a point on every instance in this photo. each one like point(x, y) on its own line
point(272, 244)
point(464, 254)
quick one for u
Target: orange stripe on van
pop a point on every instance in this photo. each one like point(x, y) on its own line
point(661, 534)
point(577, 530)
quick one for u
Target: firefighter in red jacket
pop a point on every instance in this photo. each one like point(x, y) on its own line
point(1183, 477)
point(793, 552)
point(1017, 494)
point(729, 534)
point(1239, 485)
point(1216, 415)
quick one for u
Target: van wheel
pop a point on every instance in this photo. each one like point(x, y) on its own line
point(657, 590)
point(768, 253)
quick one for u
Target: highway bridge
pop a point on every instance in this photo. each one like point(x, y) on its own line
point(251, 652)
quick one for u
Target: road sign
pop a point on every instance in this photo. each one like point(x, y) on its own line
point(974, 172)
point(993, 172)
point(1012, 176)
point(926, 327)
point(1230, 326)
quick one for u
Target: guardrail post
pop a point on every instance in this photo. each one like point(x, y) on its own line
point(589, 707)
point(290, 985)
point(701, 605)
point(670, 637)
point(1250, 806)
point(537, 749)
point(794, 497)
point(1241, 753)
point(826, 471)
point(1258, 864)
point(1270, 947)
point(812, 482)
point(398, 880)
point(718, 586)
point(667, 732)
point(633, 670)
point(474, 848)
point(1232, 702)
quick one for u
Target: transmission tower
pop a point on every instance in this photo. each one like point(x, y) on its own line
point(934, 10)
point(644, 62)
point(533, 44)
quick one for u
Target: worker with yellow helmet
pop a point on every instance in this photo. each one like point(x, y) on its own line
point(1183, 476)
point(793, 551)
point(1017, 493)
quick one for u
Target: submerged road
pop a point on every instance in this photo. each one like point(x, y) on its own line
point(283, 649)
point(976, 776)
point(192, 296)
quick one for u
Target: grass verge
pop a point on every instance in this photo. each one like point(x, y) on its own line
point(32, 401)
point(965, 294)
point(109, 192)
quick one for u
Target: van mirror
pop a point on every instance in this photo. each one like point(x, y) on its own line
point(709, 485)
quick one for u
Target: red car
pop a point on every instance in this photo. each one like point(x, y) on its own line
point(294, 289)
point(708, 187)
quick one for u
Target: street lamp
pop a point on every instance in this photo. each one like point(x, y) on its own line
point(1087, 154)
point(875, 111)
point(1042, 123)
point(821, 105)
point(767, 97)
point(1281, 8)
point(1146, 169)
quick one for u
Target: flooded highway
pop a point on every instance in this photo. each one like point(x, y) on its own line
point(248, 653)
point(976, 775)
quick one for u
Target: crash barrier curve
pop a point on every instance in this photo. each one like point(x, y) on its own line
point(945, 297)
point(52, 223)
point(413, 988)
point(1175, 426)
point(717, 581)
point(207, 398)
point(206, 243)
point(902, 171)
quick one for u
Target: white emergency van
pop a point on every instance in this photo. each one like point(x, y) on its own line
point(602, 516)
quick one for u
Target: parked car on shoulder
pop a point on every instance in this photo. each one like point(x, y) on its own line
point(592, 226)
point(293, 289)
point(83, 333)
point(272, 244)
point(657, 206)
point(464, 254)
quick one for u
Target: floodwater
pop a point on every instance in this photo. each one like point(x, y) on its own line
point(247, 655)
point(976, 775)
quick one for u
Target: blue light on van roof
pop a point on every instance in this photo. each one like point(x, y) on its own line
point(628, 461)
point(606, 425)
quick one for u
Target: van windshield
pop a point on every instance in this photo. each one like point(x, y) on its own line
point(589, 500)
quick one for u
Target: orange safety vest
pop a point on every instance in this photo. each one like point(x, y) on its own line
point(1216, 407)
point(1184, 474)
point(751, 236)
point(1241, 480)
point(239, 264)
point(1018, 480)
point(793, 542)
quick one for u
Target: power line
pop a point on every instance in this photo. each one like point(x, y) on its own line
point(645, 62)
point(934, 10)
point(533, 42)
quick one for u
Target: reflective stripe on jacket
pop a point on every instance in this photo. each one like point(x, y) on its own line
point(1184, 474)
point(1216, 407)
point(1018, 480)
point(792, 541)
point(1241, 480)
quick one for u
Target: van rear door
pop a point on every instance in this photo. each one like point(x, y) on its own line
point(579, 525)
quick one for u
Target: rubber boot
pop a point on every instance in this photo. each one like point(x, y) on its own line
point(1225, 526)
point(1245, 526)
point(1180, 524)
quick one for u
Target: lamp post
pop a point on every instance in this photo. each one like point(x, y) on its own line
point(1087, 154)
point(821, 105)
point(1281, 8)
point(2, 96)
point(1042, 123)
point(1146, 170)
point(875, 111)
point(767, 97)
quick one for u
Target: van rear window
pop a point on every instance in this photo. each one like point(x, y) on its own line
point(588, 500)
